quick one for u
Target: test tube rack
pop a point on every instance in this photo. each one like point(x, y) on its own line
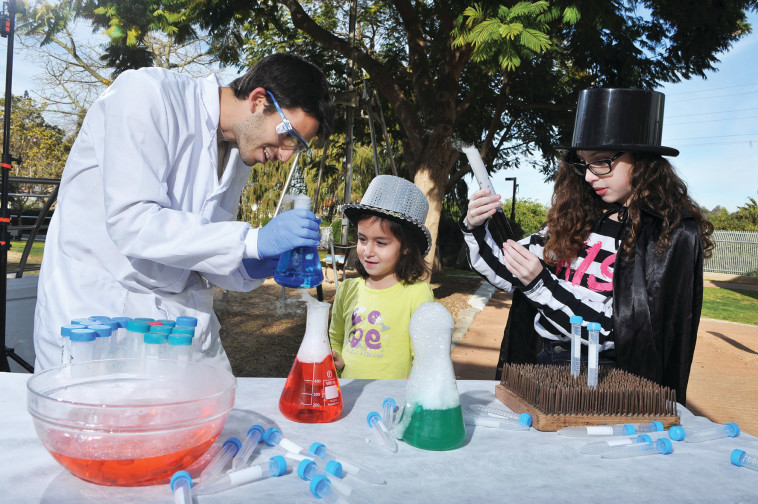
point(555, 399)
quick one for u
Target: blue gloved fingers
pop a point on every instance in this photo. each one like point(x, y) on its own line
point(288, 230)
point(263, 268)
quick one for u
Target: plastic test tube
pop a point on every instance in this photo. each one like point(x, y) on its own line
point(729, 429)
point(273, 437)
point(275, 466)
point(593, 354)
point(381, 432)
point(742, 459)
point(103, 342)
point(218, 463)
point(576, 344)
point(357, 471)
point(321, 487)
point(181, 486)
point(82, 344)
point(604, 446)
point(135, 338)
point(308, 470)
point(254, 436)
point(659, 446)
point(155, 345)
point(179, 347)
point(66, 346)
point(493, 422)
point(389, 406)
point(522, 418)
point(611, 430)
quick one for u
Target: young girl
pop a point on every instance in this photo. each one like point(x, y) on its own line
point(623, 246)
point(370, 315)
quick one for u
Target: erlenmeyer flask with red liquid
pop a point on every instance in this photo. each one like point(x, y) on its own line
point(312, 392)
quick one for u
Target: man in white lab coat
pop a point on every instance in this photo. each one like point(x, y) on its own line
point(145, 221)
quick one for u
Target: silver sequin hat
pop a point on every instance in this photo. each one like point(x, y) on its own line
point(397, 199)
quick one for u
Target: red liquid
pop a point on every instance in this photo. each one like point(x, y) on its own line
point(312, 392)
point(133, 472)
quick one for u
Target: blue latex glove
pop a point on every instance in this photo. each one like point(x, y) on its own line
point(287, 231)
point(263, 268)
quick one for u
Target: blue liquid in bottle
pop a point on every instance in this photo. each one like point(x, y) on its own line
point(299, 268)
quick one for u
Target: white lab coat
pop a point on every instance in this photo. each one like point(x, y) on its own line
point(144, 227)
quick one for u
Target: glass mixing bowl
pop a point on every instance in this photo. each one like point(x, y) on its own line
point(127, 421)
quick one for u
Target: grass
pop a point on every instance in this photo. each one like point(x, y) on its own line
point(35, 256)
point(731, 304)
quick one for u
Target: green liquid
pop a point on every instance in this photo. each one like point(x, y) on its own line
point(435, 429)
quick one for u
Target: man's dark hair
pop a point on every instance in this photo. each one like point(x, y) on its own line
point(295, 83)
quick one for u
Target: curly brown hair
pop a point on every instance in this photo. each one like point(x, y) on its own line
point(655, 185)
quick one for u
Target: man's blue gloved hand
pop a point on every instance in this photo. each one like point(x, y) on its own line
point(287, 231)
point(262, 268)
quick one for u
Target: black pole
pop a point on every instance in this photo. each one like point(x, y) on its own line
point(513, 199)
point(7, 25)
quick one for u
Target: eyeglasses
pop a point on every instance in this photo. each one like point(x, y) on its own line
point(286, 135)
point(599, 167)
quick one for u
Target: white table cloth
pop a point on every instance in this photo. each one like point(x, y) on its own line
point(492, 465)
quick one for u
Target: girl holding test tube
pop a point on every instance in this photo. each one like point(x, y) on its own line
point(623, 246)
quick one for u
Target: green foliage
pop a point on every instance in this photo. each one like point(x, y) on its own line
point(744, 219)
point(530, 214)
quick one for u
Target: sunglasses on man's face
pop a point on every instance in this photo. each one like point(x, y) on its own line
point(286, 135)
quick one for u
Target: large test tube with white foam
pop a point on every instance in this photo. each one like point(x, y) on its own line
point(480, 172)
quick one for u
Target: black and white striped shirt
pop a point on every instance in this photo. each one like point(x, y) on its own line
point(584, 287)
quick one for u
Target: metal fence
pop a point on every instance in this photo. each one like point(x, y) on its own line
point(736, 252)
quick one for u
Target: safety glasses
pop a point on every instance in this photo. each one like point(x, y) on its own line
point(286, 135)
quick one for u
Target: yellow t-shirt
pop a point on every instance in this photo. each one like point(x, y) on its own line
point(370, 328)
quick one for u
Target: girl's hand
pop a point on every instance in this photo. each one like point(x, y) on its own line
point(522, 263)
point(481, 207)
point(338, 362)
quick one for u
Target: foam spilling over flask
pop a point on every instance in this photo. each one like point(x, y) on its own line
point(432, 418)
point(312, 392)
point(299, 268)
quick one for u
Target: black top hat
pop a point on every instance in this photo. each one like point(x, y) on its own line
point(619, 120)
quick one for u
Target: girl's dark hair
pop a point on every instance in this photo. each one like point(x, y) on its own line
point(411, 267)
point(655, 185)
point(295, 83)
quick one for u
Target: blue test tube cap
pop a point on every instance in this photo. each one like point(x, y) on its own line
point(122, 321)
point(629, 430)
point(258, 428)
point(233, 442)
point(167, 322)
point(180, 475)
point(83, 335)
point(371, 416)
point(390, 401)
point(732, 429)
point(160, 328)
point(179, 339)
point(137, 326)
point(190, 331)
point(143, 319)
point(66, 329)
point(737, 457)
point(270, 432)
point(644, 438)
point(82, 321)
point(333, 467)
point(102, 330)
point(664, 446)
point(525, 419)
point(302, 468)
point(657, 426)
point(318, 484)
point(186, 321)
point(576, 319)
point(99, 317)
point(315, 448)
point(677, 433)
point(593, 326)
point(155, 338)
point(278, 465)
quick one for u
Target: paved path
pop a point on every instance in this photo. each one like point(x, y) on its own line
point(724, 378)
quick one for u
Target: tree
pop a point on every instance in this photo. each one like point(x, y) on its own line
point(438, 93)
point(129, 35)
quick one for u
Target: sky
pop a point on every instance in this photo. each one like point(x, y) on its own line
point(713, 123)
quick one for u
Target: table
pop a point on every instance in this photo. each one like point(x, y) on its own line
point(492, 465)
